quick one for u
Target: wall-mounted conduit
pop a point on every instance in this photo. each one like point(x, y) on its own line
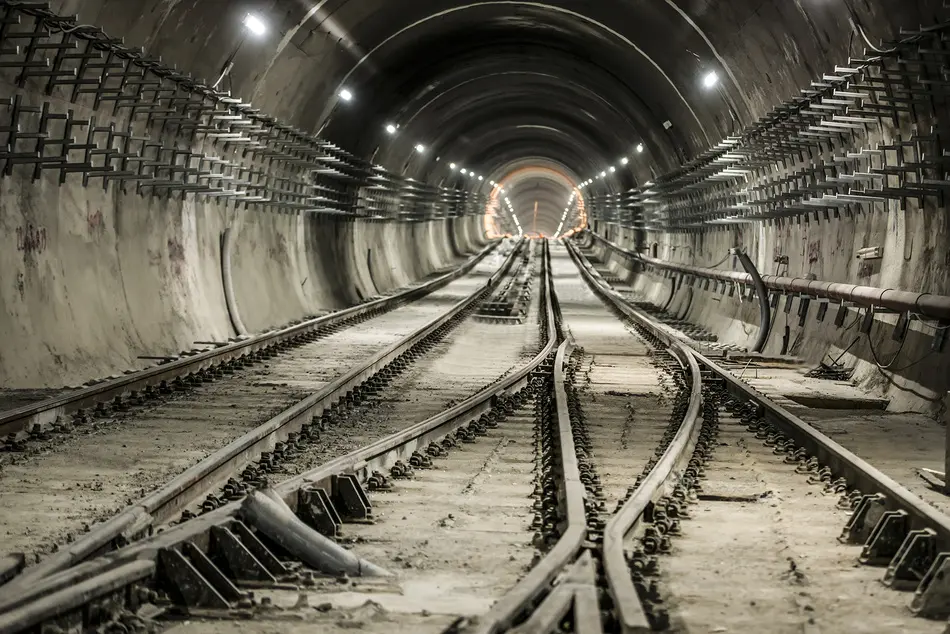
point(922, 304)
point(765, 311)
point(227, 238)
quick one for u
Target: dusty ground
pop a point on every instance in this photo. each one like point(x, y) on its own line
point(773, 565)
point(896, 443)
point(623, 400)
point(453, 370)
point(50, 495)
point(456, 537)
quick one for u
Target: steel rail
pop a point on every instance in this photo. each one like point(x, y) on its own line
point(859, 473)
point(925, 304)
point(68, 584)
point(48, 411)
point(176, 495)
point(529, 591)
point(664, 476)
point(888, 495)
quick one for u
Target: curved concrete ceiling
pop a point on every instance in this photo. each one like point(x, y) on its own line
point(488, 83)
point(485, 82)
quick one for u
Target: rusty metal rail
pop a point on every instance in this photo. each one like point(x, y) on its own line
point(525, 597)
point(65, 590)
point(165, 503)
point(114, 391)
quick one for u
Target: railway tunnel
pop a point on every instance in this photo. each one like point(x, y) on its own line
point(568, 315)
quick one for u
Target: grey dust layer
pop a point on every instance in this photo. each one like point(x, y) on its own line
point(457, 536)
point(760, 552)
point(49, 497)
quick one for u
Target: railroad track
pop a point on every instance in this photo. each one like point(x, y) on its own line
point(38, 420)
point(580, 492)
point(162, 458)
point(323, 496)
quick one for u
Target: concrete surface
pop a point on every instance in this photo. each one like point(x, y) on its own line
point(917, 379)
point(118, 276)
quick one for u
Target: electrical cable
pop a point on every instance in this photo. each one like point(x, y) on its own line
point(930, 323)
point(867, 40)
point(886, 366)
point(720, 262)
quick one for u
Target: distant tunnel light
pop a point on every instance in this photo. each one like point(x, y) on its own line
point(464, 171)
point(480, 178)
point(254, 24)
point(390, 128)
point(624, 160)
point(603, 174)
point(639, 148)
point(346, 95)
point(452, 166)
point(710, 79)
point(420, 148)
point(612, 169)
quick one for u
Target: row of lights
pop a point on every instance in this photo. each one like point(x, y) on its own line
point(710, 80)
point(514, 217)
point(564, 215)
point(346, 95)
point(612, 169)
point(257, 27)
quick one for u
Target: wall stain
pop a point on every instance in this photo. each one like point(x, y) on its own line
point(31, 239)
point(176, 255)
point(95, 222)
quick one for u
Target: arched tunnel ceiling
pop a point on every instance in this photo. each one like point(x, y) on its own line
point(486, 81)
point(489, 83)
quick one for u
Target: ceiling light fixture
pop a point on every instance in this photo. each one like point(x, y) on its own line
point(710, 79)
point(420, 148)
point(346, 95)
point(390, 128)
point(624, 160)
point(639, 148)
point(255, 25)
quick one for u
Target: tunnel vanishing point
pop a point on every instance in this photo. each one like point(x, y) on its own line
point(302, 198)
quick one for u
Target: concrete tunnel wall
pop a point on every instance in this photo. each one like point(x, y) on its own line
point(94, 277)
point(826, 250)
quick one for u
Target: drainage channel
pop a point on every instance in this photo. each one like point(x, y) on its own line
point(136, 474)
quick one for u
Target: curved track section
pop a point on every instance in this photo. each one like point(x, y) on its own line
point(161, 460)
point(579, 492)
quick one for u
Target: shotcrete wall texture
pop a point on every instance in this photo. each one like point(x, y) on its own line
point(915, 380)
point(94, 277)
